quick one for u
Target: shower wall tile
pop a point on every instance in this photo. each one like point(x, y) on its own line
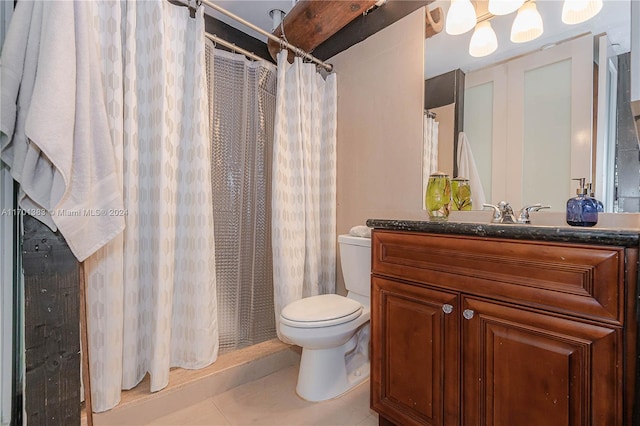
point(379, 133)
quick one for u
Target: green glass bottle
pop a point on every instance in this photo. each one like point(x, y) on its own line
point(461, 194)
point(438, 196)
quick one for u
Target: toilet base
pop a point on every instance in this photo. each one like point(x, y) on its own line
point(328, 373)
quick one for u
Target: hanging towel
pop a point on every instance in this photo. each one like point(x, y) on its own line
point(54, 133)
point(467, 169)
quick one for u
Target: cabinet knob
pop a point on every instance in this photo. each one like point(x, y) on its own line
point(468, 313)
point(447, 308)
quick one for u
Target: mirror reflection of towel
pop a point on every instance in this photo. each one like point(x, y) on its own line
point(467, 169)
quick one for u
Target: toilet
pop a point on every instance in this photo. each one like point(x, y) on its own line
point(333, 330)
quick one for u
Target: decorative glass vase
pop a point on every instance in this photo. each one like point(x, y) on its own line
point(461, 194)
point(438, 196)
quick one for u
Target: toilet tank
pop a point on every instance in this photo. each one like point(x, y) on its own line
point(355, 257)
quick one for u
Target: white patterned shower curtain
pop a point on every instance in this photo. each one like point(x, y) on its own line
point(152, 291)
point(429, 151)
point(303, 183)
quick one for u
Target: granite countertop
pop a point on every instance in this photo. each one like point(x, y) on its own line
point(598, 236)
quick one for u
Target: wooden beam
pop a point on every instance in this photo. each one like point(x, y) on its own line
point(311, 22)
point(52, 318)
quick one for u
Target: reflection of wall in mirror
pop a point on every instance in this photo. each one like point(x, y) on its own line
point(444, 95)
point(627, 167)
point(540, 114)
point(445, 116)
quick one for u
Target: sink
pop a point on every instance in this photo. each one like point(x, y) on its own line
point(630, 221)
point(620, 221)
point(470, 216)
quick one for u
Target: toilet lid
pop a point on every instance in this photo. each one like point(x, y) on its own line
point(320, 311)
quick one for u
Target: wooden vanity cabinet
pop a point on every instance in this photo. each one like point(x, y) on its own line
point(415, 357)
point(528, 368)
point(477, 331)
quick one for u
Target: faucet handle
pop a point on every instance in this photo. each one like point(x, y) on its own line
point(523, 216)
point(507, 212)
point(497, 213)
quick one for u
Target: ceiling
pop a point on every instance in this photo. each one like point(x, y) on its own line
point(254, 11)
point(444, 53)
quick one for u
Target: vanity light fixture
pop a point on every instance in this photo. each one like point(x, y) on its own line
point(483, 41)
point(460, 18)
point(577, 11)
point(528, 24)
point(504, 7)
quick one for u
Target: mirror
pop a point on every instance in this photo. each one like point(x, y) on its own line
point(498, 110)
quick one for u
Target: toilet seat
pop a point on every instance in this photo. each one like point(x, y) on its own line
point(324, 310)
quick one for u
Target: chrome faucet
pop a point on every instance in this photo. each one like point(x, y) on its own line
point(523, 216)
point(503, 213)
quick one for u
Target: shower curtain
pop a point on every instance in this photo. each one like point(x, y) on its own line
point(304, 183)
point(242, 109)
point(152, 291)
point(429, 151)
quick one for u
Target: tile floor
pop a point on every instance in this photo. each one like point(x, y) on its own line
point(272, 400)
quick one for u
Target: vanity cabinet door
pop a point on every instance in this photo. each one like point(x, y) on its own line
point(532, 369)
point(415, 353)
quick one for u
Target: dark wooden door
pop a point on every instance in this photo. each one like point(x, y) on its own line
point(415, 353)
point(531, 369)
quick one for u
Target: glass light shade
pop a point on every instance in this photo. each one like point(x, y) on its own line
point(504, 7)
point(528, 24)
point(577, 11)
point(483, 41)
point(461, 17)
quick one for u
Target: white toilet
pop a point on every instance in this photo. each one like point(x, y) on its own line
point(333, 330)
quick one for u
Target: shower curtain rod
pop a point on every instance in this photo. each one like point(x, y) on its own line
point(214, 38)
point(282, 42)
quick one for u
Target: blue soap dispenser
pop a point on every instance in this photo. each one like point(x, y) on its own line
point(582, 210)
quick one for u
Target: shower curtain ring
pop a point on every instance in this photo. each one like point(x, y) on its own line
point(307, 57)
point(283, 36)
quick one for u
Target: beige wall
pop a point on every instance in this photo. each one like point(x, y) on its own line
point(380, 110)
